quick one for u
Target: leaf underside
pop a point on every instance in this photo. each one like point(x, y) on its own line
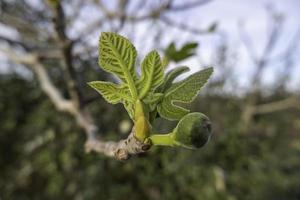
point(111, 92)
point(117, 55)
point(184, 91)
point(152, 74)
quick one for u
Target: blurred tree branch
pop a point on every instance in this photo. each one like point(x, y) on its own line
point(184, 27)
point(31, 60)
point(39, 42)
point(252, 106)
point(290, 102)
point(121, 150)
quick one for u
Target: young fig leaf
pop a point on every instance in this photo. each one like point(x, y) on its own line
point(171, 76)
point(193, 131)
point(117, 55)
point(111, 92)
point(184, 52)
point(152, 74)
point(184, 91)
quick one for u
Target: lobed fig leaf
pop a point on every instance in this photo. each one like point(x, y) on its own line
point(117, 55)
point(183, 91)
point(111, 92)
point(183, 53)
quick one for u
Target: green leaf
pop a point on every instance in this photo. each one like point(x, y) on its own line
point(129, 106)
point(186, 51)
point(153, 99)
point(212, 27)
point(171, 76)
point(117, 55)
point(111, 92)
point(184, 91)
point(152, 74)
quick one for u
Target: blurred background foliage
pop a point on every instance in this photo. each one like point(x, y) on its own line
point(253, 154)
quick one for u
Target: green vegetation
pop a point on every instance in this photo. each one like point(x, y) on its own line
point(48, 52)
point(42, 155)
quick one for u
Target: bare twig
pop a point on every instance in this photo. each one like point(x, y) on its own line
point(65, 45)
point(187, 6)
point(121, 150)
point(165, 6)
point(47, 86)
point(261, 62)
point(183, 26)
point(291, 102)
point(89, 29)
point(13, 42)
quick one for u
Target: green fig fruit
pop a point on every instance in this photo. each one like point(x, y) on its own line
point(193, 131)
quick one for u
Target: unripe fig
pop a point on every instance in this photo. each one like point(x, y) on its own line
point(193, 131)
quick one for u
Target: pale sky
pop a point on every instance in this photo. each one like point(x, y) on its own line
point(253, 14)
point(228, 14)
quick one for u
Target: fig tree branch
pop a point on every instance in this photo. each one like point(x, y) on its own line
point(121, 150)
